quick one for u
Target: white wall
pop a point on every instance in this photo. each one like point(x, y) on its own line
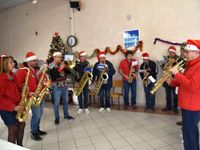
point(100, 23)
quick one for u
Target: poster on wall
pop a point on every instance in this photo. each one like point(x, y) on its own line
point(131, 38)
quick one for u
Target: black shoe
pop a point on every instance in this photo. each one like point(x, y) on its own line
point(36, 137)
point(176, 111)
point(153, 109)
point(166, 109)
point(57, 121)
point(134, 107)
point(42, 132)
point(125, 107)
point(68, 117)
point(180, 123)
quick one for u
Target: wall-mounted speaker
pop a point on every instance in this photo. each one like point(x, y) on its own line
point(75, 4)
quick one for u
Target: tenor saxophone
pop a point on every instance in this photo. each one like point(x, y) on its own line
point(131, 75)
point(85, 78)
point(103, 77)
point(22, 116)
point(41, 90)
point(167, 74)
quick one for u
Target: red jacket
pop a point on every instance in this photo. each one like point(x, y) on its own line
point(34, 79)
point(189, 86)
point(125, 66)
point(9, 93)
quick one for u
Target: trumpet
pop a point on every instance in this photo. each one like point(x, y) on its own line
point(70, 65)
point(179, 63)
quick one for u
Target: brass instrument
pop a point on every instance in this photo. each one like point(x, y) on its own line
point(85, 78)
point(41, 90)
point(131, 75)
point(145, 79)
point(179, 63)
point(22, 116)
point(103, 77)
point(70, 65)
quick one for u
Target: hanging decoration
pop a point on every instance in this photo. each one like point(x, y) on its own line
point(166, 42)
point(118, 48)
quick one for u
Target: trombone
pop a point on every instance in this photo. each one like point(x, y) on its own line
point(70, 65)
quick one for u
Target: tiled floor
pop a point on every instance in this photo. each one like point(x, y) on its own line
point(118, 130)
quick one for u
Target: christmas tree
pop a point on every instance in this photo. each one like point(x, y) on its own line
point(57, 45)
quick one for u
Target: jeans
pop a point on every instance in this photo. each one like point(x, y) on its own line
point(150, 98)
point(128, 85)
point(83, 98)
point(36, 117)
point(171, 96)
point(104, 96)
point(190, 129)
point(58, 93)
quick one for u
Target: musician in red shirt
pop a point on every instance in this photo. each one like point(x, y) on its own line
point(189, 94)
point(9, 101)
point(127, 64)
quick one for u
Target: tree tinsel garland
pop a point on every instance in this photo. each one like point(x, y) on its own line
point(118, 48)
point(166, 42)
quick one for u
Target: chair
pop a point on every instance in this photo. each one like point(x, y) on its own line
point(116, 95)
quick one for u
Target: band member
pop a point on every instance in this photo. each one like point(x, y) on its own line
point(148, 69)
point(58, 74)
point(9, 101)
point(128, 66)
point(35, 75)
point(171, 96)
point(83, 97)
point(188, 94)
point(104, 92)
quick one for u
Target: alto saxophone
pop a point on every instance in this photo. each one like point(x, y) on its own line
point(131, 75)
point(179, 63)
point(103, 77)
point(22, 116)
point(41, 90)
point(85, 78)
point(145, 79)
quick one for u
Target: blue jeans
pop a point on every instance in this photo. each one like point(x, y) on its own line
point(150, 98)
point(60, 92)
point(126, 92)
point(190, 129)
point(83, 98)
point(36, 117)
point(104, 96)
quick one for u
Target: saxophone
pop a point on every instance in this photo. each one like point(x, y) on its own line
point(145, 79)
point(103, 77)
point(179, 63)
point(85, 78)
point(131, 75)
point(25, 103)
point(41, 90)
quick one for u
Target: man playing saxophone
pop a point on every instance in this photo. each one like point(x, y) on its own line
point(147, 70)
point(80, 67)
point(58, 74)
point(35, 75)
point(127, 69)
point(103, 71)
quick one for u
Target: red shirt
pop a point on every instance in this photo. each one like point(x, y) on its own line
point(9, 93)
point(189, 86)
point(125, 66)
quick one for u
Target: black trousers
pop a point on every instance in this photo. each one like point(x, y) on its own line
point(83, 98)
point(171, 97)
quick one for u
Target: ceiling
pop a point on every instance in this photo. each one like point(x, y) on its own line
point(7, 4)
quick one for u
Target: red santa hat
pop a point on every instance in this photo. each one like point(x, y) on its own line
point(57, 54)
point(101, 54)
point(145, 55)
point(82, 53)
point(172, 49)
point(30, 56)
point(192, 45)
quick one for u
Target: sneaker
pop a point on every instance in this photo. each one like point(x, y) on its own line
point(108, 109)
point(101, 109)
point(79, 111)
point(42, 132)
point(36, 137)
point(69, 117)
point(57, 121)
point(87, 111)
